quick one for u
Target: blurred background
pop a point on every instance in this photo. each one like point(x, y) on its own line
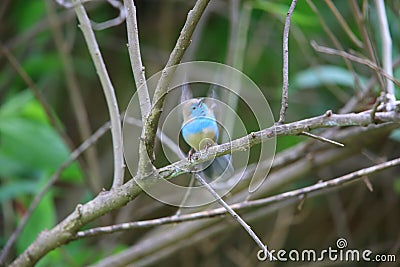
point(51, 101)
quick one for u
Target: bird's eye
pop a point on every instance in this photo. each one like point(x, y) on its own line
point(194, 107)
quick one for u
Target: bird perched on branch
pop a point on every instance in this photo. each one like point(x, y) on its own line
point(200, 131)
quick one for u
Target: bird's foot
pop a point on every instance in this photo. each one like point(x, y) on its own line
point(190, 154)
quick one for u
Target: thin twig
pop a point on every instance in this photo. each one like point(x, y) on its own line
point(285, 84)
point(98, 26)
point(351, 104)
point(185, 196)
point(108, 89)
point(343, 23)
point(35, 202)
point(335, 41)
point(386, 54)
point(368, 47)
point(234, 215)
point(368, 184)
point(322, 139)
point(310, 191)
point(374, 109)
point(354, 58)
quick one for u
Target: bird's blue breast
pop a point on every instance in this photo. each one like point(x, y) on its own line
point(199, 128)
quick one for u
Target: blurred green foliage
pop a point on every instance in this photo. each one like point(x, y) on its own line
point(30, 152)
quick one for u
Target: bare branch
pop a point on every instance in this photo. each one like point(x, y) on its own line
point(343, 23)
point(138, 70)
point(324, 121)
point(109, 92)
point(285, 84)
point(235, 216)
point(368, 47)
point(136, 59)
point(386, 54)
point(98, 26)
point(322, 139)
point(354, 58)
point(335, 41)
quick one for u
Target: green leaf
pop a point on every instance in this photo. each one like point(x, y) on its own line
point(322, 75)
point(10, 166)
point(301, 16)
point(12, 106)
point(28, 142)
point(24, 105)
point(15, 189)
point(33, 143)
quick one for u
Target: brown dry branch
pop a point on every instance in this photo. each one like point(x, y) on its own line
point(285, 69)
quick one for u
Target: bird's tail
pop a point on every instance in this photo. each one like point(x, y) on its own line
point(220, 169)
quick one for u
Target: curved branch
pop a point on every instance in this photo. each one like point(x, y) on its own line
point(109, 92)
